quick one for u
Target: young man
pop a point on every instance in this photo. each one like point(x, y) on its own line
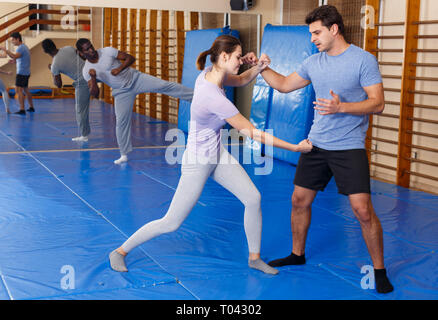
point(67, 61)
point(21, 57)
point(112, 67)
point(348, 87)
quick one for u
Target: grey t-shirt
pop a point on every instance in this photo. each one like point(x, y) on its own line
point(107, 62)
point(68, 62)
point(346, 74)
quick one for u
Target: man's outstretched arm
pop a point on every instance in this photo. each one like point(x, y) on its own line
point(284, 84)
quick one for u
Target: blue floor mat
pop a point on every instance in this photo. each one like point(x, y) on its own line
point(65, 204)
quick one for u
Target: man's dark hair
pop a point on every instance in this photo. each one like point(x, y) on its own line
point(16, 35)
point(80, 43)
point(48, 46)
point(328, 15)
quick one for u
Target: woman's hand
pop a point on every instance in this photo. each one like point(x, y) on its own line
point(250, 58)
point(304, 146)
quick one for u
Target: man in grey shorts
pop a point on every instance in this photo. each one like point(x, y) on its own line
point(67, 61)
point(112, 67)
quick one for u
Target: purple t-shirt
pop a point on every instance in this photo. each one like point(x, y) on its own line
point(209, 108)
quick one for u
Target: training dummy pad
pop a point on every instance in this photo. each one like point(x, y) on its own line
point(290, 115)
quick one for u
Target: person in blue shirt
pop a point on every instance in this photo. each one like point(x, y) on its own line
point(348, 87)
point(21, 57)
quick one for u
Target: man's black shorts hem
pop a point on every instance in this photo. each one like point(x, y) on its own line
point(22, 80)
point(349, 167)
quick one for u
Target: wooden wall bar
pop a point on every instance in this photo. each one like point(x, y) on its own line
point(123, 29)
point(153, 59)
point(180, 40)
point(133, 35)
point(107, 43)
point(407, 97)
point(142, 56)
point(412, 126)
point(165, 62)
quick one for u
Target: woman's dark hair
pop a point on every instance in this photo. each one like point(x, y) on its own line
point(328, 15)
point(80, 43)
point(16, 35)
point(48, 46)
point(224, 43)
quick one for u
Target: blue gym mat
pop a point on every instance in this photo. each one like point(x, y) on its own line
point(289, 115)
point(64, 206)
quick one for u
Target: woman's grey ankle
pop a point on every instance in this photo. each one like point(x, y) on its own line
point(117, 262)
point(258, 264)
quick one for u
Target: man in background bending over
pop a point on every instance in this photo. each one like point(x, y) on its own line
point(67, 61)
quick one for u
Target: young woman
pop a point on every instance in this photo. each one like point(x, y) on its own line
point(206, 157)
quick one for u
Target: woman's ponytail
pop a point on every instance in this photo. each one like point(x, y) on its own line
point(202, 58)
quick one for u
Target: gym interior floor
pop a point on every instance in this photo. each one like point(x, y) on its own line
point(65, 205)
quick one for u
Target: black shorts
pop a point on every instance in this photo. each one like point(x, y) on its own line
point(22, 80)
point(349, 167)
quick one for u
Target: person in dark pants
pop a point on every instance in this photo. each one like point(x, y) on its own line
point(21, 57)
point(348, 87)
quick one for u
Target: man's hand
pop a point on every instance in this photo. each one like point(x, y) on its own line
point(92, 73)
point(50, 66)
point(263, 62)
point(326, 106)
point(115, 72)
point(304, 146)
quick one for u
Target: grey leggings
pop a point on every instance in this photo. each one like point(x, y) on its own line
point(228, 173)
point(82, 105)
point(124, 99)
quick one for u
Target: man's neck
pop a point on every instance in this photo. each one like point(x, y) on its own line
point(339, 46)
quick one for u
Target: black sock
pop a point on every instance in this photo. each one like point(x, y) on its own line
point(292, 259)
point(382, 282)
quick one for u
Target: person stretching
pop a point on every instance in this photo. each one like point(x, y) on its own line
point(67, 61)
point(105, 65)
